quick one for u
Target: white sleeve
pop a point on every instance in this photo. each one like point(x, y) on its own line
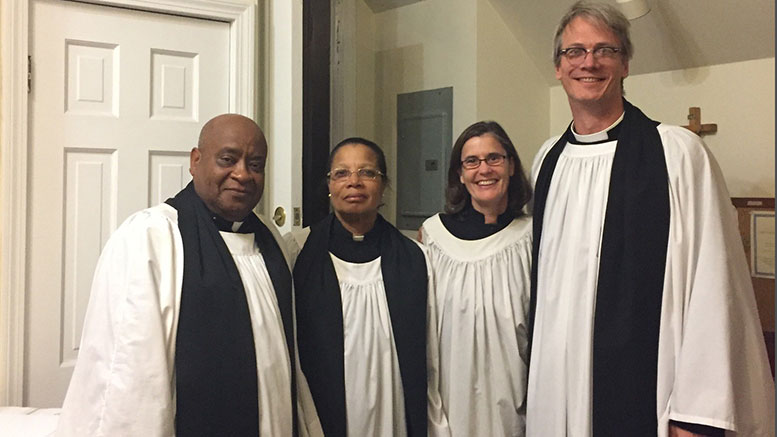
point(309, 423)
point(535, 169)
point(294, 241)
point(540, 157)
point(713, 368)
point(438, 418)
point(307, 416)
point(283, 243)
point(123, 381)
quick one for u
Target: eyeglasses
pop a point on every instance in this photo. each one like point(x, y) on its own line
point(492, 159)
point(341, 174)
point(576, 55)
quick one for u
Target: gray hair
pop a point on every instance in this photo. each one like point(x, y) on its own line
point(600, 13)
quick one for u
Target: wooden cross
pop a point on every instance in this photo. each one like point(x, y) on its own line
point(694, 123)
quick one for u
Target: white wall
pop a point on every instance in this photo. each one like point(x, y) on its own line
point(466, 45)
point(738, 97)
point(365, 71)
point(510, 88)
point(462, 44)
point(426, 45)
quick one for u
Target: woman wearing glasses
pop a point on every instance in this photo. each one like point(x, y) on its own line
point(363, 311)
point(480, 251)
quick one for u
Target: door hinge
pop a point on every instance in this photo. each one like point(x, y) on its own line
point(29, 74)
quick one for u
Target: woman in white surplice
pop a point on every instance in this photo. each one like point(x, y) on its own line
point(364, 305)
point(480, 253)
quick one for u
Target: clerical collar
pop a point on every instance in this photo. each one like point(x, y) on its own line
point(225, 225)
point(344, 246)
point(603, 136)
point(470, 224)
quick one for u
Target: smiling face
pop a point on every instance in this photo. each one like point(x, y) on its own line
point(355, 195)
point(487, 185)
point(595, 83)
point(228, 166)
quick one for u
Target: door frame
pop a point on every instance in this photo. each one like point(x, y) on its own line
point(243, 18)
point(316, 101)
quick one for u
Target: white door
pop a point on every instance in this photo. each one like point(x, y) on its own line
point(118, 99)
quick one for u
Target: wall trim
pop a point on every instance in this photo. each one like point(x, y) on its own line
point(242, 15)
point(13, 198)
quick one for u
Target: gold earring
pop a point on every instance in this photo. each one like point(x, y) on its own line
point(330, 194)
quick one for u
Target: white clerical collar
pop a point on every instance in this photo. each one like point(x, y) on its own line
point(236, 226)
point(596, 136)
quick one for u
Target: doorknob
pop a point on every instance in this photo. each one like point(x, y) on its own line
point(279, 216)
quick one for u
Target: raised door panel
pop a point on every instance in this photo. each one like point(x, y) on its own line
point(117, 102)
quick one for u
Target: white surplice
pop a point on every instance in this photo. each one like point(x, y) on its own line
point(374, 397)
point(482, 304)
point(123, 382)
point(374, 400)
point(712, 365)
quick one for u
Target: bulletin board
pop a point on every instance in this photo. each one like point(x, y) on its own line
point(756, 227)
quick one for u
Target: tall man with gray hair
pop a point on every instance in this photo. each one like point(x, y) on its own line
point(643, 318)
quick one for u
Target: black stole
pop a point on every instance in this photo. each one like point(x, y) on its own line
point(631, 277)
point(215, 358)
point(320, 323)
point(469, 224)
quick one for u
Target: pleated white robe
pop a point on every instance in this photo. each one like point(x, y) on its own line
point(124, 381)
point(374, 400)
point(374, 397)
point(482, 304)
point(712, 365)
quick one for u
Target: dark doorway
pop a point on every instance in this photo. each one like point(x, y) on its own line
point(315, 109)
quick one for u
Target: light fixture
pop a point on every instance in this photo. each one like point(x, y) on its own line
point(633, 9)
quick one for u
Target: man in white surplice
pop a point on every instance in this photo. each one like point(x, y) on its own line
point(643, 314)
point(189, 328)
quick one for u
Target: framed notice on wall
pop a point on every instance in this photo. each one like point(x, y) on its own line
point(762, 244)
point(756, 227)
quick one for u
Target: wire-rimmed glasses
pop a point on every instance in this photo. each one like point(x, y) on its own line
point(576, 55)
point(341, 174)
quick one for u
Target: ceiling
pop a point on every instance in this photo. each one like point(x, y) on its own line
point(384, 5)
point(676, 34)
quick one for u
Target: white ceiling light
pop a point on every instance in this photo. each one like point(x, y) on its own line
point(633, 9)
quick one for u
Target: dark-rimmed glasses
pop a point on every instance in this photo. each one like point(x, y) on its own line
point(576, 55)
point(492, 159)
